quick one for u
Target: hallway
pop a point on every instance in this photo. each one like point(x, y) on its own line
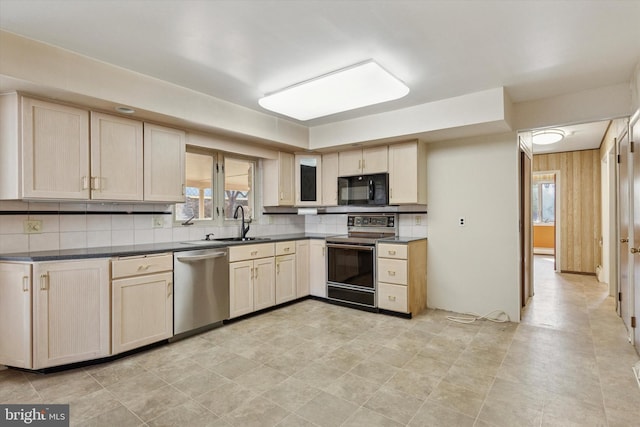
point(572, 343)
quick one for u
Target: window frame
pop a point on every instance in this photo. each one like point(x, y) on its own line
point(537, 187)
point(218, 217)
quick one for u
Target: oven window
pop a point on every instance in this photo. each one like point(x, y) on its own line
point(351, 266)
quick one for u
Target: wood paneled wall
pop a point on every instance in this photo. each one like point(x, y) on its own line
point(580, 227)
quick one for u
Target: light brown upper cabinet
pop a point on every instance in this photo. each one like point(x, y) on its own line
point(55, 152)
point(51, 151)
point(363, 161)
point(164, 160)
point(308, 175)
point(330, 179)
point(407, 173)
point(278, 185)
point(116, 158)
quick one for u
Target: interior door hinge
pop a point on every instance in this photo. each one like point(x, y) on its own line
point(633, 321)
point(631, 146)
point(218, 167)
point(618, 158)
point(619, 296)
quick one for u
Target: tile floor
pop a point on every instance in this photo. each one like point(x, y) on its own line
point(314, 364)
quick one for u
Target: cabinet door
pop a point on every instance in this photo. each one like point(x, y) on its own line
point(15, 315)
point(375, 160)
point(302, 268)
point(116, 158)
point(308, 180)
point(142, 311)
point(285, 179)
point(264, 286)
point(164, 160)
point(403, 174)
point(330, 179)
point(350, 163)
point(71, 312)
point(240, 288)
point(317, 268)
point(285, 278)
point(55, 151)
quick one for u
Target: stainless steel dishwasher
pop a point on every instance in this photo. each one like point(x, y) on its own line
point(201, 290)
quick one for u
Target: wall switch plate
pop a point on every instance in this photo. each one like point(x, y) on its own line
point(462, 221)
point(158, 221)
point(418, 220)
point(32, 226)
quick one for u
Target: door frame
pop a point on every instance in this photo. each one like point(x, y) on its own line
point(558, 215)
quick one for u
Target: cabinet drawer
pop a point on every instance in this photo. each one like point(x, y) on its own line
point(243, 252)
point(135, 266)
point(392, 297)
point(392, 271)
point(285, 248)
point(386, 250)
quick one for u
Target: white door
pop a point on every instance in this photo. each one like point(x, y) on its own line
point(635, 239)
point(623, 230)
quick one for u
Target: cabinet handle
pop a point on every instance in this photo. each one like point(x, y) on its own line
point(282, 195)
point(254, 253)
point(391, 272)
point(624, 240)
point(634, 250)
point(391, 192)
point(25, 283)
point(359, 164)
point(144, 267)
point(44, 279)
point(287, 249)
point(392, 298)
point(323, 250)
point(85, 183)
point(392, 252)
point(363, 166)
point(169, 288)
point(277, 268)
point(183, 189)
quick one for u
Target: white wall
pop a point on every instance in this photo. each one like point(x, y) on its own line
point(473, 268)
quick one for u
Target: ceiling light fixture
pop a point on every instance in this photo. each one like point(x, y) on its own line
point(359, 85)
point(125, 110)
point(548, 136)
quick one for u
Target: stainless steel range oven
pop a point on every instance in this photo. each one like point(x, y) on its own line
point(351, 259)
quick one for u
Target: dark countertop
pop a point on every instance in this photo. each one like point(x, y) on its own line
point(400, 239)
point(132, 250)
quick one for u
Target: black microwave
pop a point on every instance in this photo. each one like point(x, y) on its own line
point(364, 190)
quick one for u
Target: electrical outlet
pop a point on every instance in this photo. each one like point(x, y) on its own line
point(418, 219)
point(462, 221)
point(32, 226)
point(158, 221)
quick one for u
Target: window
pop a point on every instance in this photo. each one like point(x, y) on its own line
point(215, 186)
point(238, 186)
point(199, 188)
point(543, 199)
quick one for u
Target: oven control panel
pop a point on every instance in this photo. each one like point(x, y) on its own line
point(371, 221)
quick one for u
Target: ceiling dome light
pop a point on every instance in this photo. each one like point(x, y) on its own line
point(547, 137)
point(125, 110)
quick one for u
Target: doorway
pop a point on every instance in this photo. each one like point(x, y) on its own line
point(545, 201)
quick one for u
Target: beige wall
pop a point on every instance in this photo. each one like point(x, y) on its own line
point(579, 192)
point(474, 268)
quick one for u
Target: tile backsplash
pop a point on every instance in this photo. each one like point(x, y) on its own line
point(114, 227)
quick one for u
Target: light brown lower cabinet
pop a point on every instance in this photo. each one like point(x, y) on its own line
point(15, 315)
point(70, 312)
point(285, 278)
point(142, 299)
point(402, 276)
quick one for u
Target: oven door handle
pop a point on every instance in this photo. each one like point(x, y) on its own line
point(358, 247)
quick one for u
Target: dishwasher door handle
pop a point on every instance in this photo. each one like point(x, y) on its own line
point(194, 258)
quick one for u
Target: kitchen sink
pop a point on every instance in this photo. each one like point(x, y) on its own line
point(240, 239)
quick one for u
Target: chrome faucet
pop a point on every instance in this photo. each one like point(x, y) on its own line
point(243, 230)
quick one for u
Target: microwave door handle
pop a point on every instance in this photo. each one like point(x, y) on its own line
point(372, 190)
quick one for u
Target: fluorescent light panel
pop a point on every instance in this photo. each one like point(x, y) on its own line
point(363, 84)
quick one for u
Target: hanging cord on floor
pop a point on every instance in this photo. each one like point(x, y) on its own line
point(502, 317)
